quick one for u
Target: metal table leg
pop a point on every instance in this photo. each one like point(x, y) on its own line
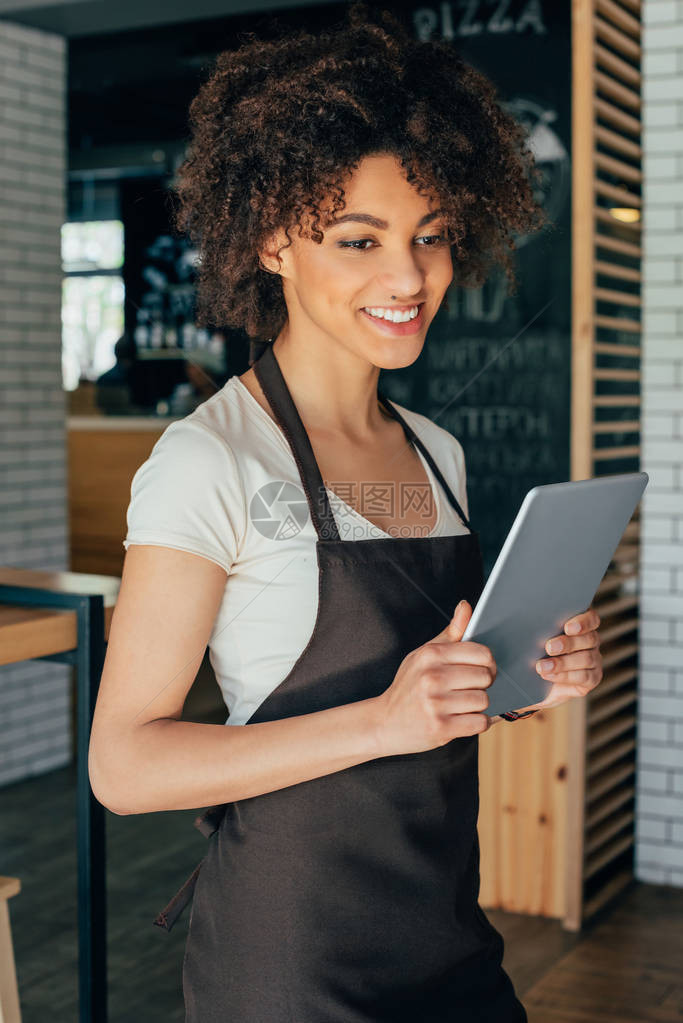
point(88, 658)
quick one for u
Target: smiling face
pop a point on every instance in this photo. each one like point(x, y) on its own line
point(388, 241)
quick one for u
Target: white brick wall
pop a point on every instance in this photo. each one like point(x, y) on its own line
point(659, 817)
point(34, 695)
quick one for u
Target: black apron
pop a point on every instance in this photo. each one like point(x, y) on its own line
point(351, 898)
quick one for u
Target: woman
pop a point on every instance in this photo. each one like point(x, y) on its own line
point(336, 186)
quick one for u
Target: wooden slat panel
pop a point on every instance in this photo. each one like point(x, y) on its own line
point(607, 98)
point(629, 600)
point(612, 581)
point(616, 117)
point(635, 6)
point(576, 805)
point(612, 140)
point(612, 632)
point(610, 705)
point(616, 66)
point(609, 805)
point(610, 348)
point(619, 654)
point(618, 624)
point(604, 734)
point(622, 195)
point(626, 552)
point(615, 90)
point(607, 454)
point(611, 682)
point(619, 297)
point(616, 15)
point(583, 230)
point(607, 241)
point(599, 860)
point(610, 891)
point(604, 216)
point(617, 426)
point(617, 39)
point(616, 774)
point(622, 170)
point(632, 531)
point(612, 400)
point(615, 374)
point(626, 273)
point(599, 836)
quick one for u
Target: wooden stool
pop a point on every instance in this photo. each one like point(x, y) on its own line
point(9, 992)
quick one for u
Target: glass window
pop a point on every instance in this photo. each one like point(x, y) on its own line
point(92, 298)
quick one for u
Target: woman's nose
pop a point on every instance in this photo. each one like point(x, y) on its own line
point(403, 276)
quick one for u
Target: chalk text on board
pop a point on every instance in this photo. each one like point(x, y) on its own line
point(474, 17)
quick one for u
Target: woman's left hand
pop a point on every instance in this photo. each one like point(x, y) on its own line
point(576, 664)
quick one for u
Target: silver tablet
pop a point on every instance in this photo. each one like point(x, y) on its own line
point(549, 568)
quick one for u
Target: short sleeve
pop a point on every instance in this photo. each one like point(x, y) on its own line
point(188, 495)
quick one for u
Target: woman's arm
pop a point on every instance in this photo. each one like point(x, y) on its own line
point(142, 757)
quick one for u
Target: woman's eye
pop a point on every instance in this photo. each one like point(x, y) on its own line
point(354, 243)
point(357, 242)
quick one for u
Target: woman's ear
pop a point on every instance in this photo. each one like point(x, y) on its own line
point(262, 265)
point(267, 263)
point(268, 258)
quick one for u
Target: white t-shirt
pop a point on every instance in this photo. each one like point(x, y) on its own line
point(222, 483)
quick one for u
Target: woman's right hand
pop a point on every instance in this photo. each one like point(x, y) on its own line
point(438, 693)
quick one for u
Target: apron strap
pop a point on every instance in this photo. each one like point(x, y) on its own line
point(169, 914)
point(208, 823)
point(276, 391)
point(414, 439)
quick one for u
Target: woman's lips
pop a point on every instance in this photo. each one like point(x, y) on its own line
point(394, 329)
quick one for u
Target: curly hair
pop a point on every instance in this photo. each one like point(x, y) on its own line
point(278, 124)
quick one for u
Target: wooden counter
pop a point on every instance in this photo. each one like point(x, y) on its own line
point(103, 455)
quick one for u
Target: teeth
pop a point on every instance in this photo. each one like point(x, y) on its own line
point(394, 315)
